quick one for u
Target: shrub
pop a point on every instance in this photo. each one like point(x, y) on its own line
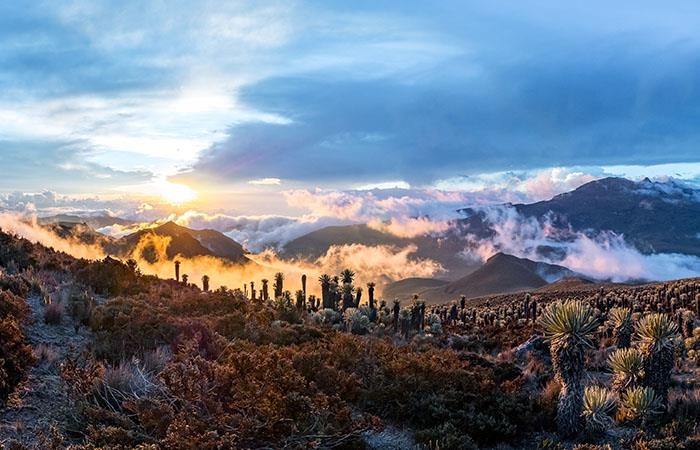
point(13, 305)
point(80, 308)
point(53, 312)
point(15, 356)
point(127, 327)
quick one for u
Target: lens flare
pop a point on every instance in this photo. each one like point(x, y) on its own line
point(176, 194)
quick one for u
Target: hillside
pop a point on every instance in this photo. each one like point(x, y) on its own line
point(404, 289)
point(96, 354)
point(444, 249)
point(316, 243)
point(500, 274)
point(655, 217)
point(186, 242)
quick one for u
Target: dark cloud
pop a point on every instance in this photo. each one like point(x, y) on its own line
point(375, 91)
point(592, 104)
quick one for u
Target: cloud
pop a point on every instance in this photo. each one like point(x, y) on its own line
point(339, 95)
point(410, 227)
point(549, 183)
point(604, 256)
point(401, 212)
point(266, 182)
point(59, 165)
point(381, 264)
point(28, 229)
point(604, 106)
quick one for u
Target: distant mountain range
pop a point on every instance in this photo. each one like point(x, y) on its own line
point(446, 248)
point(183, 241)
point(652, 216)
point(655, 217)
point(501, 274)
point(95, 222)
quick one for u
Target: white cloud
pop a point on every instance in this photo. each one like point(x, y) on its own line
point(603, 256)
point(266, 182)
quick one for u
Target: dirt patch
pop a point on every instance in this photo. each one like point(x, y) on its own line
point(41, 403)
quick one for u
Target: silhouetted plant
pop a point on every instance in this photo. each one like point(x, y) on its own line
point(205, 283)
point(279, 284)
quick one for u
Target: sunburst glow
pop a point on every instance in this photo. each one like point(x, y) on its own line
point(176, 194)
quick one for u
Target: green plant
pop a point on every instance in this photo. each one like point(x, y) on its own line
point(628, 368)
point(357, 321)
point(569, 327)
point(622, 323)
point(598, 405)
point(657, 334)
point(640, 404)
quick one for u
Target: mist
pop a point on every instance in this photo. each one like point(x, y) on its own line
point(604, 256)
point(379, 264)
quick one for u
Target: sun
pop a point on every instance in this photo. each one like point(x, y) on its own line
point(176, 194)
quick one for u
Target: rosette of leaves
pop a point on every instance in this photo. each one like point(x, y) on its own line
point(621, 319)
point(598, 407)
point(569, 328)
point(628, 368)
point(657, 335)
point(640, 404)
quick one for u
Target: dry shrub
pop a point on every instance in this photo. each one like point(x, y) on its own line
point(548, 399)
point(126, 327)
point(15, 356)
point(16, 284)
point(13, 305)
point(15, 353)
point(53, 313)
point(46, 355)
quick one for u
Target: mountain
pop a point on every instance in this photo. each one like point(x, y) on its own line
point(405, 288)
point(85, 234)
point(186, 242)
point(445, 249)
point(655, 217)
point(568, 284)
point(501, 274)
point(317, 243)
point(94, 222)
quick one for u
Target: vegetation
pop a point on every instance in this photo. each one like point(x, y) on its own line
point(569, 327)
point(657, 335)
point(15, 353)
point(170, 365)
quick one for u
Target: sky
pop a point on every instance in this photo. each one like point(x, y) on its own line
point(272, 108)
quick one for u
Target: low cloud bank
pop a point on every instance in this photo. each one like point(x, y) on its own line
point(380, 264)
point(605, 256)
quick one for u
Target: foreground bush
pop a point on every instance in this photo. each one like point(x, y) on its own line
point(15, 353)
